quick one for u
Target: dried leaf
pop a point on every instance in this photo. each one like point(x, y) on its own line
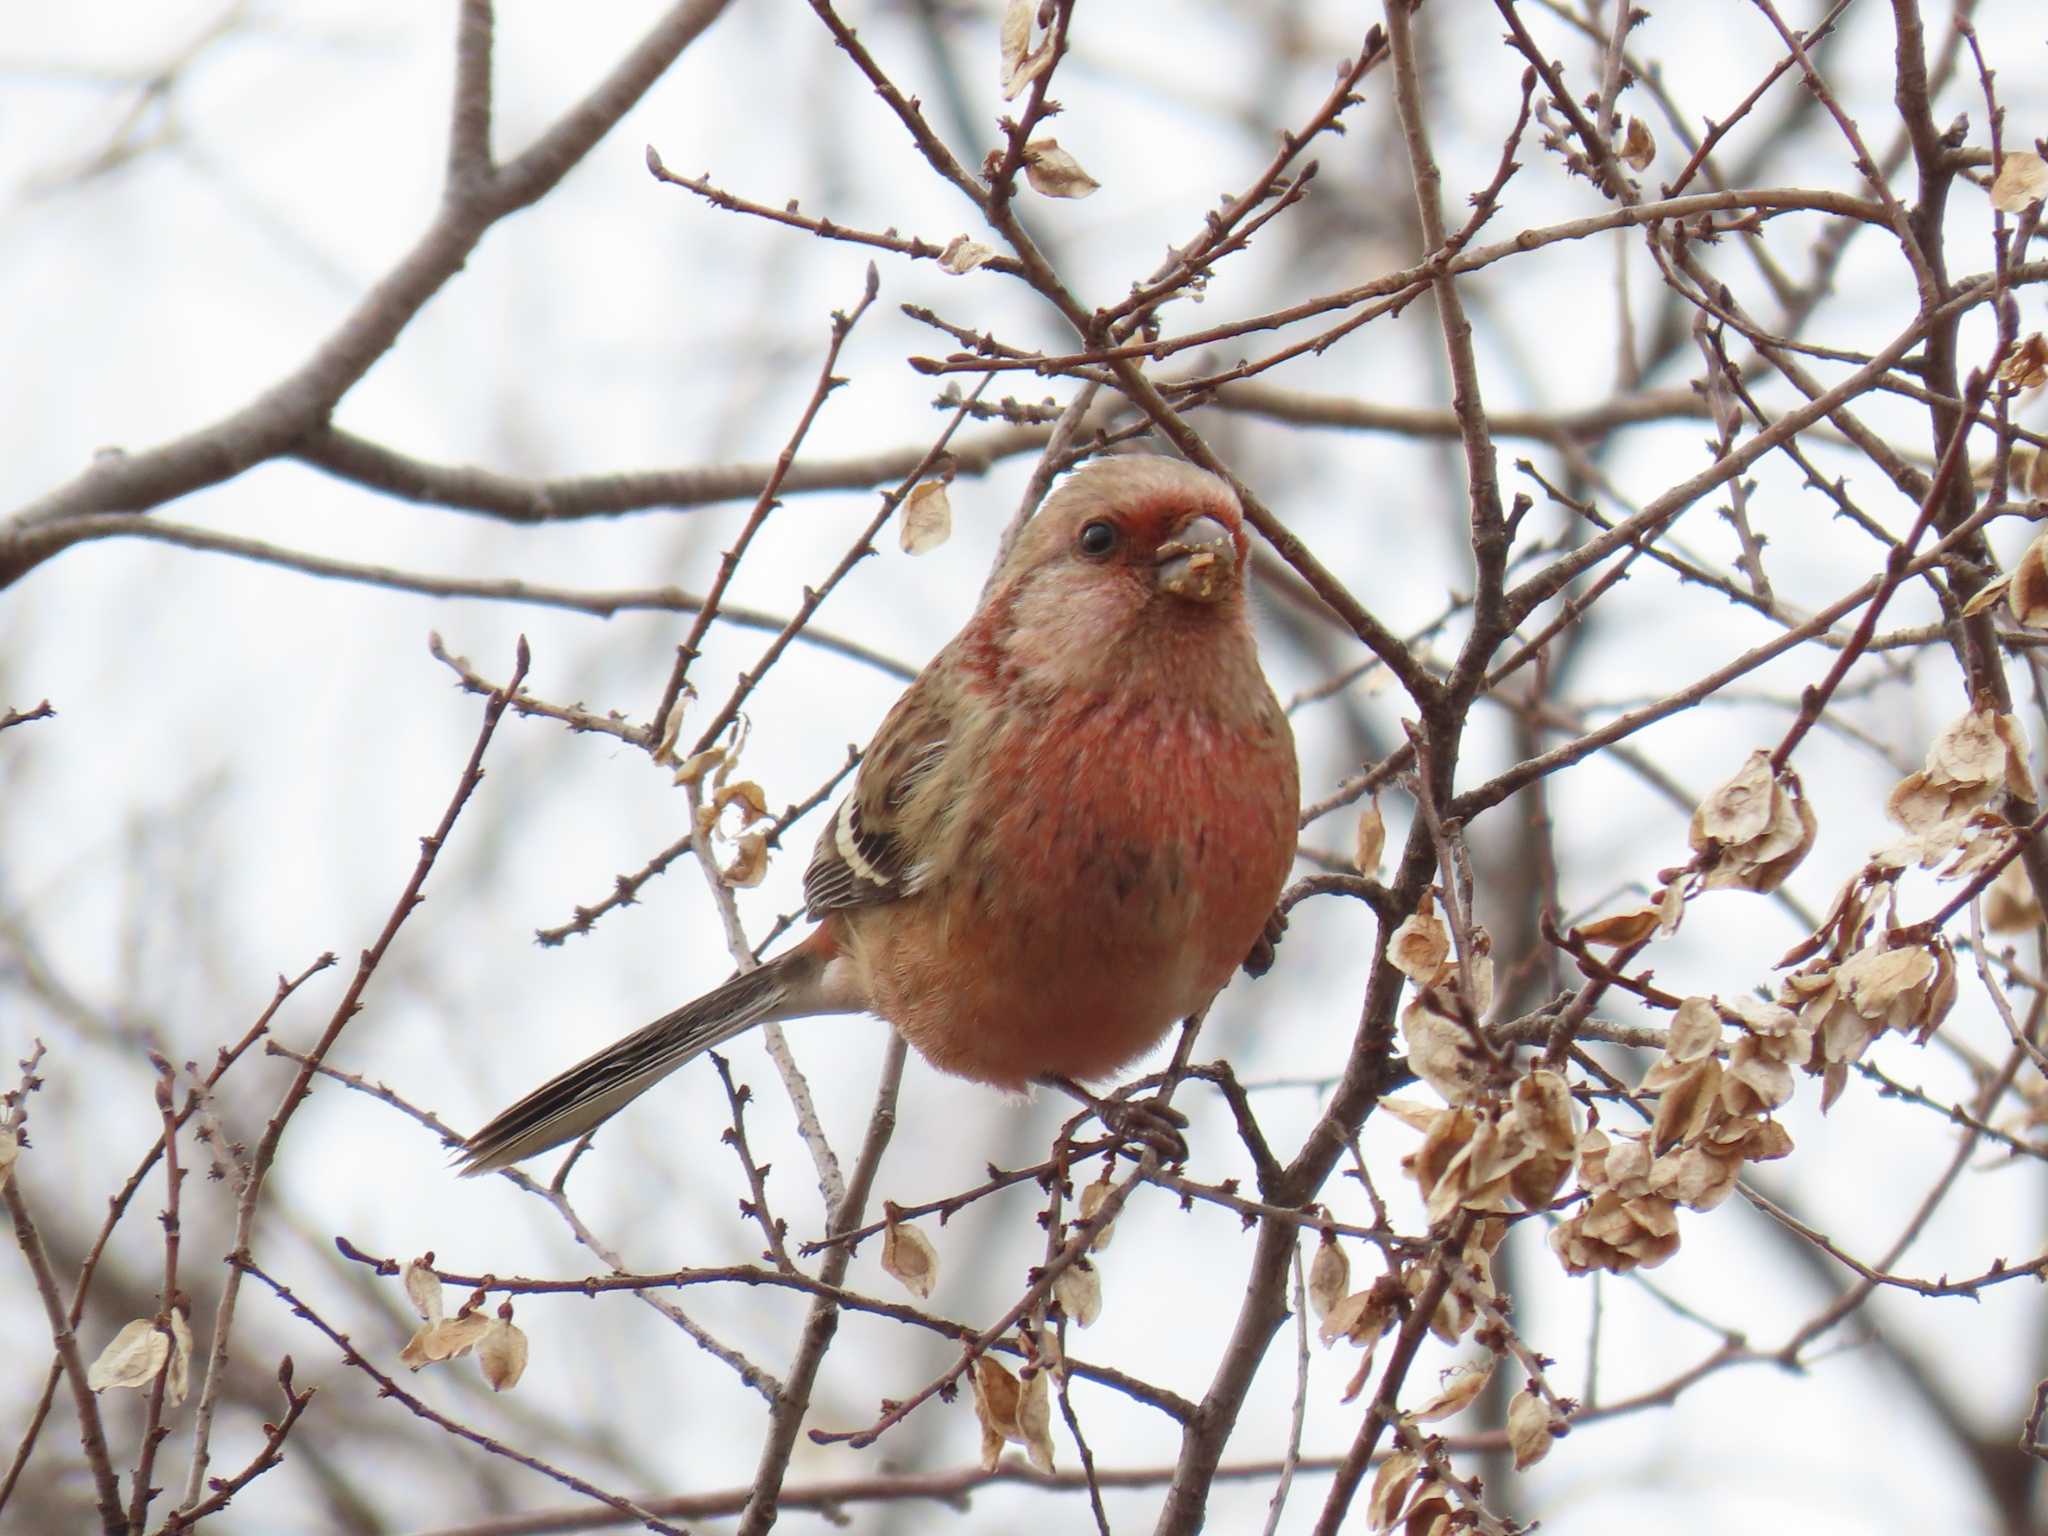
point(1055, 173)
point(1638, 149)
point(695, 767)
point(1034, 1418)
point(1092, 1196)
point(927, 518)
point(457, 1336)
point(1528, 1428)
point(1022, 63)
point(1329, 1275)
point(963, 255)
point(1982, 748)
point(1754, 1141)
point(1439, 1051)
point(1372, 838)
point(996, 1395)
point(2022, 181)
point(1739, 809)
point(1685, 1097)
point(1461, 1386)
point(502, 1352)
point(447, 1340)
point(179, 1376)
point(2026, 366)
point(747, 795)
point(132, 1357)
point(1014, 36)
point(1988, 839)
point(1360, 1376)
point(1877, 980)
point(1413, 1113)
point(1992, 592)
point(1617, 1233)
point(1079, 1292)
point(909, 1257)
point(1756, 1082)
point(991, 1442)
point(10, 1149)
point(1779, 1033)
point(1446, 1141)
point(1968, 750)
point(2010, 906)
point(1621, 929)
point(1360, 1317)
point(1670, 908)
point(1420, 946)
point(2019, 776)
point(1698, 1177)
point(1390, 1487)
point(1695, 1031)
point(749, 866)
point(1752, 831)
point(423, 1288)
point(665, 749)
point(1543, 1112)
point(1543, 1117)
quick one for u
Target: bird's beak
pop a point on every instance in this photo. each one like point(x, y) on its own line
point(1199, 563)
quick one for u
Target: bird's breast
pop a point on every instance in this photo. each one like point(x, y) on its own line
point(1120, 864)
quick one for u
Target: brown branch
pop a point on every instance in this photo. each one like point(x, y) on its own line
point(1494, 790)
point(754, 1275)
point(737, 1096)
point(140, 1493)
point(92, 1435)
point(516, 499)
point(269, 1455)
point(388, 1386)
point(813, 597)
point(843, 323)
point(751, 1375)
point(264, 1155)
point(626, 888)
point(793, 1401)
point(599, 604)
point(1077, 1244)
point(824, 229)
point(274, 422)
point(1897, 563)
point(950, 1488)
point(1489, 536)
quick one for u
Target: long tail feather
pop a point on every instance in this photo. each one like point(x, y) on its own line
point(595, 1089)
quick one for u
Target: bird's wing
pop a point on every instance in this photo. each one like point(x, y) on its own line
point(865, 855)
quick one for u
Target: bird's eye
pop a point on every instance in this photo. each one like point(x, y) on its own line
point(1098, 539)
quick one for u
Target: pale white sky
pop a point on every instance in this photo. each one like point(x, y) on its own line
point(274, 745)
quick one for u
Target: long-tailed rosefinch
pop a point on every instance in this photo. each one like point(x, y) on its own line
point(1065, 836)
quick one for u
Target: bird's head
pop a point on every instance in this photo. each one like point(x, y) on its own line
point(1143, 524)
point(1133, 566)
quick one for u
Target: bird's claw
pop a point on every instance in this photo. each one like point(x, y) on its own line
point(1146, 1123)
point(1142, 1123)
point(1260, 960)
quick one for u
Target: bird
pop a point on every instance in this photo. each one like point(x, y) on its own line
point(1065, 837)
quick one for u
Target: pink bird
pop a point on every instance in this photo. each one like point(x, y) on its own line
point(1067, 834)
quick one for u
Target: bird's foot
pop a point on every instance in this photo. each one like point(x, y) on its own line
point(1137, 1123)
point(1260, 960)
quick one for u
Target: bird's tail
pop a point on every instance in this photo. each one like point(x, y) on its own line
point(594, 1090)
